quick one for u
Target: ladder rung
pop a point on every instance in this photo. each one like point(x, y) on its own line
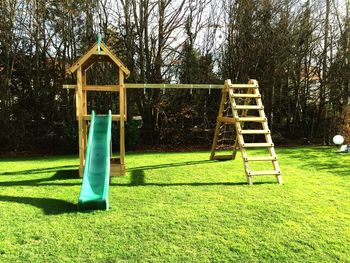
point(252, 145)
point(242, 86)
point(245, 95)
point(254, 131)
point(272, 172)
point(261, 158)
point(248, 107)
point(223, 157)
point(252, 119)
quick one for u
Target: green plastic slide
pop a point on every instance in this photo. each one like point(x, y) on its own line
point(94, 189)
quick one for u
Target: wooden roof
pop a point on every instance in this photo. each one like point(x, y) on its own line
point(88, 59)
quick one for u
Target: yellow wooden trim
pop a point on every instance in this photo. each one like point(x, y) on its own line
point(104, 52)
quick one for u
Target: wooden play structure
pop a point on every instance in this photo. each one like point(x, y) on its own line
point(242, 99)
point(99, 52)
point(238, 97)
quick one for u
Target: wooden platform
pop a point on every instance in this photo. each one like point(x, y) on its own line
point(116, 169)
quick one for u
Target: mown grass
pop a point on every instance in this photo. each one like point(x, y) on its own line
point(179, 207)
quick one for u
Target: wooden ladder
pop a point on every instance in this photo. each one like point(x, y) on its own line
point(241, 97)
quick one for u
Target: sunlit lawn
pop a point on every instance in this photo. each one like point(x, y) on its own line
point(179, 207)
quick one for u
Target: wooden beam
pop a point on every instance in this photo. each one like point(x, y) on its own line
point(80, 120)
point(95, 87)
point(159, 86)
point(101, 88)
point(115, 117)
point(243, 86)
point(69, 86)
point(121, 122)
point(172, 86)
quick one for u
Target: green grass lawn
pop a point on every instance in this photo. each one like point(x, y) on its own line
point(179, 207)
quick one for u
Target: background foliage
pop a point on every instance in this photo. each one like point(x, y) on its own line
point(299, 52)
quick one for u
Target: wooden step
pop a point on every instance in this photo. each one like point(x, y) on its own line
point(247, 107)
point(245, 95)
point(254, 131)
point(253, 145)
point(272, 172)
point(252, 119)
point(260, 158)
point(243, 86)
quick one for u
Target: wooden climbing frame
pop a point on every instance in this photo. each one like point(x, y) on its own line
point(244, 99)
point(232, 92)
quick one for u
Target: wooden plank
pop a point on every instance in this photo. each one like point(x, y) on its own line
point(115, 117)
point(267, 172)
point(260, 158)
point(172, 86)
point(69, 86)
point(159, 86)
point(242, 86)
point(84, 111)
point(218, 124)
point(248, 107)
point(76, 104)
point(121, 123)
point(226, 120)
point(80, 120)
point(253, 131)
point(94, 87)
point(252, 119)
point(101, 53)
point(101, 88)
point(244, 95)
point(253, 145)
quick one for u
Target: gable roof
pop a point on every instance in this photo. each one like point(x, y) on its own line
point(88, 58)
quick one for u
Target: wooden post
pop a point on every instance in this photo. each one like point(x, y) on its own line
point(122, 120)
point(218, 123)
point(84, 110)
point(80, 120)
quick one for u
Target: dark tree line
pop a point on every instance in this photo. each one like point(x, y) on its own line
point(299, 53)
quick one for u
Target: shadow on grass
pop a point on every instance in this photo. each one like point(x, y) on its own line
point(38, 171)
point(320, 159)
point(59, 176)
point(138, 179)
point(170, 165)
point(49, 206)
